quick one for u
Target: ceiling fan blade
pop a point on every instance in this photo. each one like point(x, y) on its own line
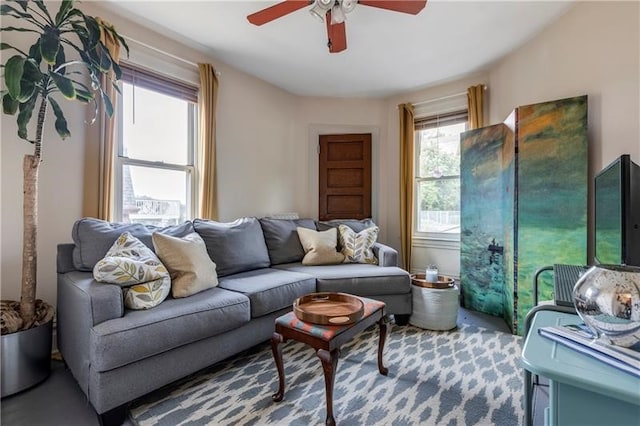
point(337, 35)
point(277, 11)
point(405, 6)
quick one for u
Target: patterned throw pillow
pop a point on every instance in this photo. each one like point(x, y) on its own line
point(319, 247)
point(357, 246)
point(135, 267)
point(186, 258)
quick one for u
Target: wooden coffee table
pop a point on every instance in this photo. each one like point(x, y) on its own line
point(326, 340)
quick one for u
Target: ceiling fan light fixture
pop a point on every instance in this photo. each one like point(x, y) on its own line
point(348, 5)
point(337, 15)
point(317, 13)
point(320, 8)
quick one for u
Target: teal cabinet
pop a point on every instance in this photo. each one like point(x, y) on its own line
point(582, 390)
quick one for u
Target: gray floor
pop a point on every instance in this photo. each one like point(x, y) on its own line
point(59, 401)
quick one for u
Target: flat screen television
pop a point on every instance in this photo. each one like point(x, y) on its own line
point(617, 213)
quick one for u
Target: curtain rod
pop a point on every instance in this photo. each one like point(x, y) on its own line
point(171, 55)
point(443, 97)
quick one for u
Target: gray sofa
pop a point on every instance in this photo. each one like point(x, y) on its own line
point(117, 355)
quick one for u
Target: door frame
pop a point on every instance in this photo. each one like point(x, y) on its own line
point(315, 130)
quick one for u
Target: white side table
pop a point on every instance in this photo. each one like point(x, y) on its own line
point(434, 308)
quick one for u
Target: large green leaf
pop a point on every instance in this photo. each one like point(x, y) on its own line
point(24, 116)
point(8, 10)
point(34, 52)
point(61, 16)
point(21, 30)
point(117, 70)
point(43, 8)
point(84, 96)
point(31, 77)
point(60, 59)
point(9, 105)
point(5, 46)
point(108, 106)
point(104, 59)
point(23, 4)
point(94, 31)
point(50, 44)
point(13, 70)
point(61, 122)
point(64, 84)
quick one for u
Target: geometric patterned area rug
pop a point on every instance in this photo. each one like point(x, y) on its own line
point(468, 376)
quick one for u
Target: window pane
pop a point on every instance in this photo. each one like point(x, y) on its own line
point(439, 151)
point(439, 206)
point(155, 126)
point(154, 196)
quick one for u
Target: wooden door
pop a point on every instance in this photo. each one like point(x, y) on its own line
point(345, 176)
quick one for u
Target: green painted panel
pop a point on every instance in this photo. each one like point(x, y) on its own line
point(482, 268)
point(552, 192)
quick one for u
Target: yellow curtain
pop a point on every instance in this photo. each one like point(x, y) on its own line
point(407, 135)
point(207, 107)
point(100, 150)
point(475, 104)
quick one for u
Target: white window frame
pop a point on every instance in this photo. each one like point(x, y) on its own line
point(451, 105)
point(190, 168)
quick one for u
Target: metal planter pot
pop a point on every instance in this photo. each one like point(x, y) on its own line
point(26, 358)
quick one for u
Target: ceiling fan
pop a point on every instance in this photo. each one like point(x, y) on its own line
point(333, 12)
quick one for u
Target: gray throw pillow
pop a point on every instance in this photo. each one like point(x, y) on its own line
point(282, 238)
point(94, 237)
point(234, 247)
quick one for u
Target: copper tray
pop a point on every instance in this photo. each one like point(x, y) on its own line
point(443, 282)
point(329, 308)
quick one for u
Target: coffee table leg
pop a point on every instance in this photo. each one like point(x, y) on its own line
point(383, 338)
point(329, 366)
point(276, 340)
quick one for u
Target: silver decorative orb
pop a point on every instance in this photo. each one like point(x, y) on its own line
point(607, 298)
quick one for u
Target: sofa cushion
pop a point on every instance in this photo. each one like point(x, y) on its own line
point(173, 323)
point(270, 289)
point(356, 278)
point(188, 262)
point(357, 247)
point(135, 267)
point(319, 247)
point(236, 246)
point(94, 237)
point(355, 224)
point(282, 239)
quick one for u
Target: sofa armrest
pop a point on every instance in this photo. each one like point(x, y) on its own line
point(64, 259)
point(82, 304)
point(387, 256)
point(87, 300)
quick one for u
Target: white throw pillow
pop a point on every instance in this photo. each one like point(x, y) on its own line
point(319, 247)
point(357, 246)
point(135, 267)
point(188, 262)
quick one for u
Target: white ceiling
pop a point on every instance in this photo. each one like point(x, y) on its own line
point(387, 52)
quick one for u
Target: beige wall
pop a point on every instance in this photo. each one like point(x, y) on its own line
point(266, 146)
point(593, 49)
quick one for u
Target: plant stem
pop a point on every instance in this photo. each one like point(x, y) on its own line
point(30, 167)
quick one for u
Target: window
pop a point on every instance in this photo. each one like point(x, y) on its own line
point(155, 164)
point(437, 175)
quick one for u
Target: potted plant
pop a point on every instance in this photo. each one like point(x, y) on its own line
point(68, 59)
